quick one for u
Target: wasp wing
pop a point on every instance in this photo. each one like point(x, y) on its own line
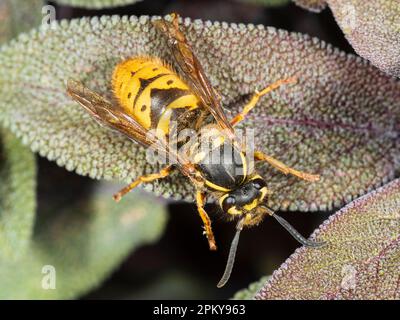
point(116, 118)
point(108, 114)
point(193, 71)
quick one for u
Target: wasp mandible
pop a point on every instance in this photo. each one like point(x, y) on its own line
point(152, 100)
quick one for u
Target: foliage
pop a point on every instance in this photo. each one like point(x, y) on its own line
point(17, 197)
point(371, 27)
point(314, 125)
point(84, 243)
point(312, 5)
point(339, 120)
point(360, 261)
point(251, 291)
point(18, 16)
point(269, 3)
point(96, 4)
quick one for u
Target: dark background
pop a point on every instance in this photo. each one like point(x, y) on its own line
point(180, 266)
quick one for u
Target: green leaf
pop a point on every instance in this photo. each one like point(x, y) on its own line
point(19, 16)
point(96, 4)
point(83, 243)
point(372, 28)
point(360, 261)
point(267, 3)
point(17, 197)
point(250, 292)
point(312, 5)
point(340, 120)
point(17, 163)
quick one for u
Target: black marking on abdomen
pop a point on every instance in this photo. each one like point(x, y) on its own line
point(144, 83)
point(161, 98)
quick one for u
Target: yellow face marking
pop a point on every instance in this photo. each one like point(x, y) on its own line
point(234, 211)
point(264, 191)
point(251, 205)
point(216, 187)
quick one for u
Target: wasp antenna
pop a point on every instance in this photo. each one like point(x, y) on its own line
point(296, 234)
point(231, 257)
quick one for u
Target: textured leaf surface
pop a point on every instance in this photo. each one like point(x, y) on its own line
point(17, 163)
point(269, 3)
point(361, 261)
point(17, 196)
point(340, 120)
point(18, 16)
point(251, 291)
point(96, 4)
point(372, 28)
point(312, 5)
point(84, 243)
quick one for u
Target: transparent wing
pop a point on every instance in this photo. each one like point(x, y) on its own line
point(193, 71)
point(116, 118)
point(108, 114)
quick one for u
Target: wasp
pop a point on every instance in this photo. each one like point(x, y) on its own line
point(152, 100)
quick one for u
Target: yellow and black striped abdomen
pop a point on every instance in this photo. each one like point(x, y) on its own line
point(151, 92)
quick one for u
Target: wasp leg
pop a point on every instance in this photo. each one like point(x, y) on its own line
point(148, 178)
point(260, 156)
point(200, 197)
point(257, 95)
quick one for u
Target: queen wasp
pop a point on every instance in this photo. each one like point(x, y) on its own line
point(152, 100)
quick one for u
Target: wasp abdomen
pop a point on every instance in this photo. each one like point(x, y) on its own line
point(151, 92)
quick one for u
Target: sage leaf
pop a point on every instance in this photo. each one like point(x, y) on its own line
point(268, 3)
point(249, 292)
point(371, 27)
point(96, 4)
point(312, 5)
point(339, 120)
point(17, 196)
point(360, 261)
point(75, 248)
point(18, 16)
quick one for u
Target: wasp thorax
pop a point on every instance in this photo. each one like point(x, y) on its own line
point(245, 198)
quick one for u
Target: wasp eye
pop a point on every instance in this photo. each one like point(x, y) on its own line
point(228, 203)
point(259, 184)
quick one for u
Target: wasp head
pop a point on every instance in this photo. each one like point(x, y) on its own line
point(245, 200)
